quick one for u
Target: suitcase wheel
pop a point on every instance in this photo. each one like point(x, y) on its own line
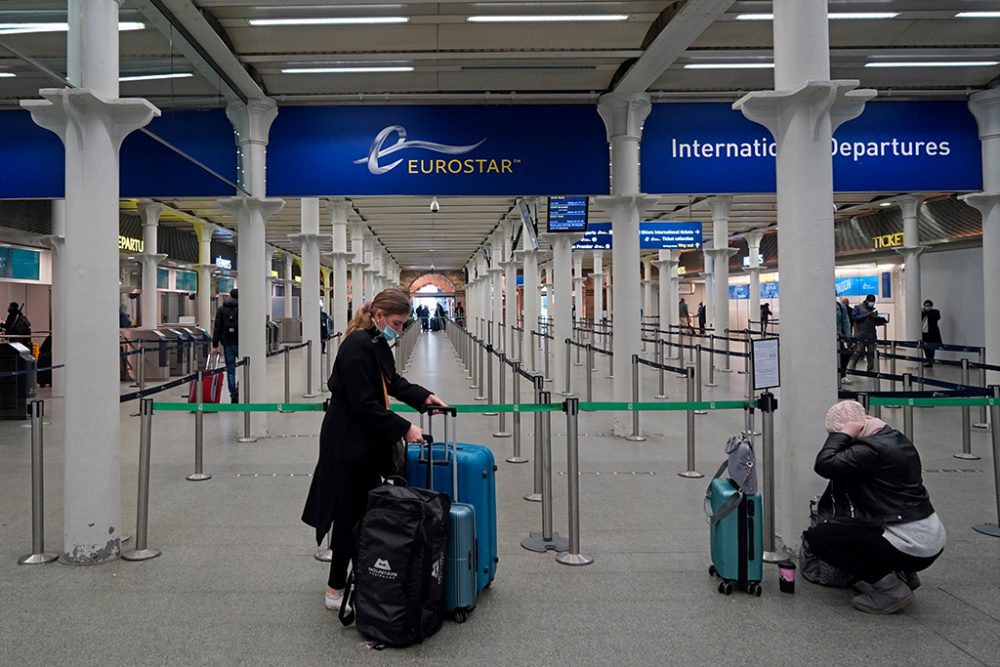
point(459, 616)
point(725, 587)
point(753, 588)
point(712, 571)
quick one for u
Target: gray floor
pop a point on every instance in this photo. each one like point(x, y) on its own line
point(237, 583)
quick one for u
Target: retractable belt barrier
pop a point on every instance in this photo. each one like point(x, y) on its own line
point(9, 374)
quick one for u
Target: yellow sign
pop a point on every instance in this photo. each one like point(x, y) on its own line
point(888, 241)
point(129, 244)
point(681, 270)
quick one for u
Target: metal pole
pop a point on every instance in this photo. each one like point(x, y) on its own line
point(966, 452)
point(38, 554)
point(982, 423)
point(310, 387)
point(711, 362)
point(199, 431)
point(547, 539)
point(489, 378)
point(536, 495)
point(590, 372)
point(545, 351)
point(993, 529)
point(516, 398)
point(569, 367)
point(520, 344)
point(479, 373)
point(907, 408)
point(502, 432)
point(576, 332)
point(661, 359)
point(690, 472)
point(246, 399)
point(288, 377)
point(768, 404)
point(634, 436)
point(611, 363)
point(141, 551)
point(573, 556)
point(141, 370)
point(697, 378)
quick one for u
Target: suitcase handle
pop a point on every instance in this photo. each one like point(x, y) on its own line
point(452, 460)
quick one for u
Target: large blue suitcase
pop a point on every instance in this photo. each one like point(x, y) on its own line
point(476, 478)
point(737, 537)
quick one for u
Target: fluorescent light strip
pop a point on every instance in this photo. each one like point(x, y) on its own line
point(729, 66)
point(338, 20)
point(23, 28)
point(545, 18)
point(344, 70)
point(833, 16)
point(978, 15)
point(7, 75)
point(929, 63)
point(153, 77)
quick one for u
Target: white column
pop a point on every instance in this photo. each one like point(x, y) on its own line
point(562, 250)
point(150, 212)
point(666, 267)
point(269, 278)
point(252, 122)
point(579, 295)
point(358, 266)
point(91, 121)
point(802, 113)
point(623, 118)
point(709, 273)
point(56, 242)
point(597, 280)
point(909, 207)
point(309, 307)
point(510, 290)
point(286, 280)
point(609, 291)
point(720, 253)
point(753, 242)
point(647, 288)
point(531, 304)
point(204, 232)
point(674, 295)
point(985, 106)
point(339, 210)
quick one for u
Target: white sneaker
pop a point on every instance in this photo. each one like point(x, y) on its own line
point(334, 601)
point(846, 380)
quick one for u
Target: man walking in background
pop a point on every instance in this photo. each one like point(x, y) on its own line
point(226, 332)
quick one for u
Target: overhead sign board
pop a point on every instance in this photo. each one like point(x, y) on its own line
point(669, 235)
point(887, 241)
point(567, 214)
point(223, 263)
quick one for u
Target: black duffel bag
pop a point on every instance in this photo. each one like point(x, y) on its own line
point(396, 588)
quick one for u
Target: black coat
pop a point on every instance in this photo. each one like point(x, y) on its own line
point(874, 480)
point(933, 316)
point(358, 432)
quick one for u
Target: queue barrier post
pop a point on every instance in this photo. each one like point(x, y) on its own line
point(982, 424)
point(545, 353)
point(635, 436)
point(768, 404)
point(966, 452)
point(479, 372)
point(502, 426)
point(611, 363)
point(567, 390)
point(536, 494)
point(661, 359)
point(142, 550)
point(516, 418)
point(547, 539)
point(310, 387)
point(993, 529)
point(697, 377)
point(199, 474)
point(579, 345)
point(246, 437)
point(38, 555)
point(711, 361)
point(908, 409)
point(590, 370)
point(489, 378)
point(690, 473)
point(573, 555)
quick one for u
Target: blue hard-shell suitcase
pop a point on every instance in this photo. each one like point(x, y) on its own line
point(476, 476)
point(737, 537)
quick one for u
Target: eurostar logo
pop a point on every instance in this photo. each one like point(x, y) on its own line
point(379, 150)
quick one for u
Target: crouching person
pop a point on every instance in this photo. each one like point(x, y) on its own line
point(880, 525)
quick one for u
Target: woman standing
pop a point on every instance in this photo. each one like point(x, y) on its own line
point(930, 333)
point(355, 442)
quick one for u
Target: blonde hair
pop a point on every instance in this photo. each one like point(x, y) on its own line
point(390, 301)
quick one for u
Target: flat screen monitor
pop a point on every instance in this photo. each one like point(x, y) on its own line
point(530, 230)
point(567, 214)
point(670, 235)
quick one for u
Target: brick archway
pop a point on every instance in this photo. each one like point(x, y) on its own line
point(439, 280)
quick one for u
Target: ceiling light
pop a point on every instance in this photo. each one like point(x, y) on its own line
point(729, 66)
point(335, 20)
point(544, 18)
point(755, 17)
point(832, 16)
point(6, 75)
point(885, 203)
point(934, 63)
point(344, 70)
point(978, 15)
point(152, 77)
point(22, 28)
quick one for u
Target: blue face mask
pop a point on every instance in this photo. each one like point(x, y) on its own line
point(388, 332)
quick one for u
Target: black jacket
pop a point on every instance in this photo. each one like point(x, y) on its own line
point(865, 320)
point(874, 480)
point(358, 432)
point(219, 333)
point(932, 316)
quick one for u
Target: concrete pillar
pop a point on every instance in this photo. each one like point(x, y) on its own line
point(666, 267)
point(709, 273)
point(204, 232)
point(562, 250)
point(287, 282)
point(674, 283)
point(753, 242)
point(56, 242)
point(648, 309)
point(91, 121)
point(269, 278)
point(532, 304)
point(985, 106)
point(802, 113)
point(150, 212)
point(609, 292)
point(510, 290)
point(720, 254)
point(597, 280)
point(909, 207)
point(579, 294)
point(359, 265)
point(623, 118)
point(309, 305)
point(252, 122)
point(339, 210)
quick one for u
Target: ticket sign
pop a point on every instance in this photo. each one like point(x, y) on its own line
point(669, 235)
point(597, 237)
point(888, 241)
point(567, 214)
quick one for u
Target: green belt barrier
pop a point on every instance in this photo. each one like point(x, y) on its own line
point(932, 402)
point(519, 407)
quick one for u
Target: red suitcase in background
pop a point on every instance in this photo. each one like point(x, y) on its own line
point(211, 389)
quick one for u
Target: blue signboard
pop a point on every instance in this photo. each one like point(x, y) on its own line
point(770, 290)
point(692, 148)
point(597, 237)
point(19, 263)
point(886, 285)
point(567, 214)
point(739, 291)
point(857, 285)
point(441, 150)
point(669, 235)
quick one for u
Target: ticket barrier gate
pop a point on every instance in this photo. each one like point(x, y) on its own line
point(273, 334)
point(291, 330)
point(201, 344)
point(180, 364)
point(155, 356)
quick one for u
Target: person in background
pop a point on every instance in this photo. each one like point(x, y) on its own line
point(359, 430)
point(702, 316)
point(930, 333)
point(866, 318)
point(325, 326)
point(17, 324)
point(843, 335)
point(765, 317)
point(459, 314)
point(123, 321)
point(226, 332)
point(682, 314)
point(882, 527)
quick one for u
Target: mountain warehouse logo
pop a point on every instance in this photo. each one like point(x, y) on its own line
point(382, 565)
point(382, 569)
point(379, 150)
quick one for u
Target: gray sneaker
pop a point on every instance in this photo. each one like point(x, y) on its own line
point(886, 596)
point(911, 579)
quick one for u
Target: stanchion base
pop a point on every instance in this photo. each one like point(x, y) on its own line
point(968, 457)
point(981, 427)
point(198, 477)
point(711, 384)
point(661, 396)
point(635, 438)
point(501, 435)
point(578, 363)
point(516, 459)
point(241, 439)
point(991, 529)
point(573, 559)
point(480, 398)
point(893, 407)
point(124, 537)
point(323, 555)
point(490, 414)
point(37, 559)
point(535, 542)
point(774, 557)
point(311, 395)
point(738, 372)
point(690, 474)
point(140, 554)
point(469, 377)
point(609, 377)
point(724, 370)
point(701, 412)
point(533, 497)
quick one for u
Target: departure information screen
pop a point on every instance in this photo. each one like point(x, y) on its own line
point(567, 214)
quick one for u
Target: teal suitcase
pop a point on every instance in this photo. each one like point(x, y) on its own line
point(737, 537)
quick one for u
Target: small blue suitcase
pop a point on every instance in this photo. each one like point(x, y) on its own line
point(737, 536)
point(476, 479)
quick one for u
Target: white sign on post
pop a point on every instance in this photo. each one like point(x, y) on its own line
point(766, 373)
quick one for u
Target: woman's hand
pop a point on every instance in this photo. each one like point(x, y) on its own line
point(434, 400)
point(415, 434)
point(853, 429)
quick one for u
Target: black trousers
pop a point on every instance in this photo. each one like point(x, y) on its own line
point(929, 351)
point(353, 484)
point(861, 551)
